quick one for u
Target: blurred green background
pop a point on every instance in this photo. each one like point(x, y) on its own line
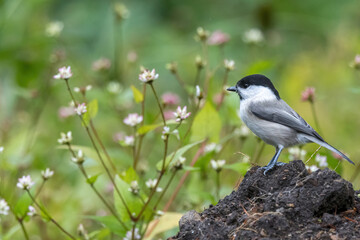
point(306, 43)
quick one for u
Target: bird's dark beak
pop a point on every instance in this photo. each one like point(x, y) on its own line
point(232, 89)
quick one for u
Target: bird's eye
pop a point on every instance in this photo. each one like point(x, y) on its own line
point(246, 85)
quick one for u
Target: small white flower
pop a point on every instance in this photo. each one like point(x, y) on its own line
point(134, 187)
point(47, 174)
point(159, 213)
point(179, 163)
point(151, 183)
point(53, 29)
point(79, 158)
point(31, 211)
point(198, 92)
point(65, 138)
point(322, 160)
point(165, 132)
point(229, 64)
point(243, 131)
point(4, 207)
point(83, 89)
point(201, 34)
point(1, 149)
point(128, 141)
point(253, 36)
point(312, 168)
point(212, 147)
point(64, 73)
point(217, 165)
point(130, 236)
point(133, 119)
point(181, 114)
point(25, 182)
point(148, 76)
point(114, 87)
point(81, 109)
point(296, 153)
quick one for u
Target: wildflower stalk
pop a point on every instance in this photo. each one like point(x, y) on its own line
point(99, 155)
point(222, 90)
point(315, 117)
point(197, 76)
point(218, 184)
point(49, 217)
point(141, 137)
point(83, 171)
point(93, 129)
point(158, 102)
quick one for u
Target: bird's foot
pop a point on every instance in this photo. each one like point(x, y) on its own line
point(271, 166)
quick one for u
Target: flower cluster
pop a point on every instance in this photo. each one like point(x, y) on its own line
point(170, 99)
point(65, 138)
point(47, 174)
point(4, 207)
point(201, 34)
point(166, 132)
point(308, 94)
point(133, 119)
point(229, 64)
point(296, 153)
point(151, 183)
point(31, 211)
point(253, 36)
point(81, 109)
point(131, 236)
point(218, 38)
point(212, 147)
point(181, 114)
point(128, 141)
point(312, 168)
point(134, 187)
point(217, 165)
point(25, 182)
point(178, 164)
point(321, 160)
point(79, 158)
point(148, 76)
point(64, 73)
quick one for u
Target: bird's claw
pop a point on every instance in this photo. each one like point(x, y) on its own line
point(269, 167)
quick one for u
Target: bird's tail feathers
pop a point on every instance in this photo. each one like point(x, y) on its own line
point(328, 146)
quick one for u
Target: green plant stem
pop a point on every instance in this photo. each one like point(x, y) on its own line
point(99, 155)
point(141, 137)
point(83, 171)
point(165, 189)
point(158, 102)
point(93, 129)
point(48, 216)
point(197, 76)
point(315, 117)
point(23, 229)
point(153, 191)
point(218, 185)
point(223, 90)
point(40, 188)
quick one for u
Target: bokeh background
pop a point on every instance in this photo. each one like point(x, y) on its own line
point(305, 43)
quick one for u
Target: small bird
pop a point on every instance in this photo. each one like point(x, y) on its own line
point(272, 119)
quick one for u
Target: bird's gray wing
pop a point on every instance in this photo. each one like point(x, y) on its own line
point(281, 113)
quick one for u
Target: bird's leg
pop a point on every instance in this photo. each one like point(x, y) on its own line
point(273, 162)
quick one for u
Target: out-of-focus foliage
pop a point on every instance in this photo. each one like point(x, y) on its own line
point(305, 43)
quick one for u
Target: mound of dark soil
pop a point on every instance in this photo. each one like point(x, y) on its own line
point(287, 203)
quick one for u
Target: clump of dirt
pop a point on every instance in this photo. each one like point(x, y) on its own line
point(287, 203)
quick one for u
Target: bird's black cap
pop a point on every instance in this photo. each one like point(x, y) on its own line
point(257, 80)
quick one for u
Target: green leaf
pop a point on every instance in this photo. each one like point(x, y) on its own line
point(166, 222)
point(22, 205)
point(174, 157)
point(138, 96)
point(91, 180)
point(129, 175)
point(239, 167)
point(111, 223)
point(191, 169)
point(133, 202)
point(147, 128)
point(207, 124)
point(92, 110)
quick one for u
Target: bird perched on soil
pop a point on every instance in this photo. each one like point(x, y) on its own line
point(272, 119)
